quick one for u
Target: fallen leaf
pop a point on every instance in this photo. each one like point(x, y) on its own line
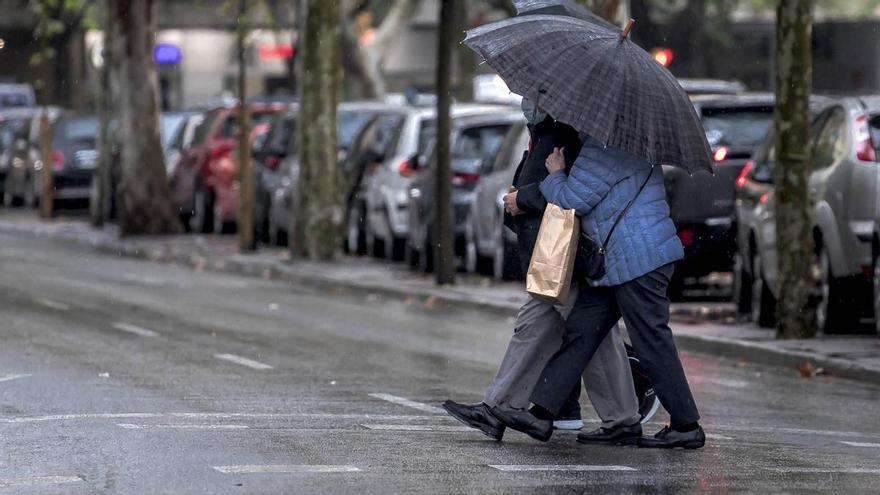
point(807, 370)
point(431, 302)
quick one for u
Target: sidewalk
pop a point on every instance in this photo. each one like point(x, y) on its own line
point(709, 328)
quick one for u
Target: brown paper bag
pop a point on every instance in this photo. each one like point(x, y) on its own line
point(552, 265)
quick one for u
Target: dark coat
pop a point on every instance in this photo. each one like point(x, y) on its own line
point(531, 171)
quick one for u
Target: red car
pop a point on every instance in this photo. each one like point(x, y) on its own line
point(207, 169)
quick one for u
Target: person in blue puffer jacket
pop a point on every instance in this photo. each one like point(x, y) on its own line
point(639, 263)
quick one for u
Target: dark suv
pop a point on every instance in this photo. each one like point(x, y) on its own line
point(702, 204)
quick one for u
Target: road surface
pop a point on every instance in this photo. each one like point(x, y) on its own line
point(125, 376)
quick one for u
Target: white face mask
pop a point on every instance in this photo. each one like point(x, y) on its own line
point(533, 113)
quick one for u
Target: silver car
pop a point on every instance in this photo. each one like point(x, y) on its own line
point(386, 187)
point(843, 189)
point(491, 247)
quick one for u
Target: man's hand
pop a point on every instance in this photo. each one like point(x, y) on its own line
point(556, 161)
point(510, 202)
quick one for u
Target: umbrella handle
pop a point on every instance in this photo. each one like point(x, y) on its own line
point(629, 25)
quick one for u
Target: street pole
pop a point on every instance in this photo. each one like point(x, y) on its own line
point(245, 174)
point(47, 189)
point(444, 253)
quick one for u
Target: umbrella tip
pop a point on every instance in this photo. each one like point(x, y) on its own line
point(626, 30)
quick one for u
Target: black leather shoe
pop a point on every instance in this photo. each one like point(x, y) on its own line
point(525, 422)
point(476, 416)
point(619, 435)
point(667, 438)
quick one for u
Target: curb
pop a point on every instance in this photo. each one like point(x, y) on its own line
point(439, 300)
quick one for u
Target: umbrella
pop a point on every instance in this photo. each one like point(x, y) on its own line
point(592, 77)
point(558, 7)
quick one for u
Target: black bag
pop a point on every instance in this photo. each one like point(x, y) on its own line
point(590, 258)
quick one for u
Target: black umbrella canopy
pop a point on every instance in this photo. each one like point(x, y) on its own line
point(592, 77)
point(558, 7)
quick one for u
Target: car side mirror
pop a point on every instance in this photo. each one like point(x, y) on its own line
point(415, 162)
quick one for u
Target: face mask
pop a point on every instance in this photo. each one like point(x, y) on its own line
point(532, 112)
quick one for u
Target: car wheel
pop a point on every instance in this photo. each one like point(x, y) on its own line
point(397, 248)
point(355, 240)
point(203, 210)
point(763, 302)
point(832, 313)
point(471, 255)
point(877, 292)
point(742, 286)
point(426, 257)
point(506, 264)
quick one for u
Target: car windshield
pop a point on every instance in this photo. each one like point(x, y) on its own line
point(231, 122)
point(476, 146)
point(170, 124)
point(85, 129)
point(201, 133)
point(8, 100)
point(427, 132)
point(741, 128)
point(349, 124)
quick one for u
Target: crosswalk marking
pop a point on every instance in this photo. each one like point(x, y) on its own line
point(403, 401)
point(8, 378)
point(53, 304)
point(284, 469)
point(862, 444)
point(39, 480)
point(250, 363)
point(129, 426)
point(559, 467)
point(438, 428)
point(134, 329)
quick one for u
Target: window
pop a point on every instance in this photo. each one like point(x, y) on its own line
point(874, 124)
point(476, 147)
point(737, 127)
point(832, 140)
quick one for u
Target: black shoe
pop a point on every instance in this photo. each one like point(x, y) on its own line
point(476, 416)
point(667, 438)
point(619, 435)
point(525, 422)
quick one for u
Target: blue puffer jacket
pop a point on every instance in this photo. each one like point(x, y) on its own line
point(600, 184)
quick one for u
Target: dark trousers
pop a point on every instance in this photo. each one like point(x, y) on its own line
point(645, 309)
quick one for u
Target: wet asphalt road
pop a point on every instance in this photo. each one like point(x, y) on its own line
point(123, 376)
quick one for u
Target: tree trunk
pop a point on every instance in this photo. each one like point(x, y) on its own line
point(465, 58)
point(47, 180)
point(794, 74)
point(444, 254)
point(318, 209)
point(245, 174)
point(144, 198)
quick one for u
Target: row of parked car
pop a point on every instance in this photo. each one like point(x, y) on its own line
point(386, 152)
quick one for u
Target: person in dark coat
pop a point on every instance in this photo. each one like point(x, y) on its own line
point(539, 325)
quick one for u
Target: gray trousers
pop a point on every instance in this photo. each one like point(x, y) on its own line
point(536, 338)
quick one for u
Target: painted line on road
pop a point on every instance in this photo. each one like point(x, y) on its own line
point(793, 431)
point(129, 426)
point(435, 428)
point(514, 468)
point(862, 444)
point(284, 469)
point(204, 416)
point(134, 329)
point(68, 417)
point(403, 401)
point(807, 470)
point(724, 382)
point(39, 480)
point(250, 363)
point(8, 378)
point(53, 304)
point(715, 436)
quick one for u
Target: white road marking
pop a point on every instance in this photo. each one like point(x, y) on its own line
point(862, 444)
point(559, 467)
point(438, 428)
point(53, 304)
point(250, 363)
point(129, 426)
point(714, 436)
point(793, 431)
point(134, 329)
point(67, 417)
point(39, 480)
point(284, 469)
point(807, 470)
point(12, 377)
point(724, 382)
point(74, 417)
point(402, 401)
